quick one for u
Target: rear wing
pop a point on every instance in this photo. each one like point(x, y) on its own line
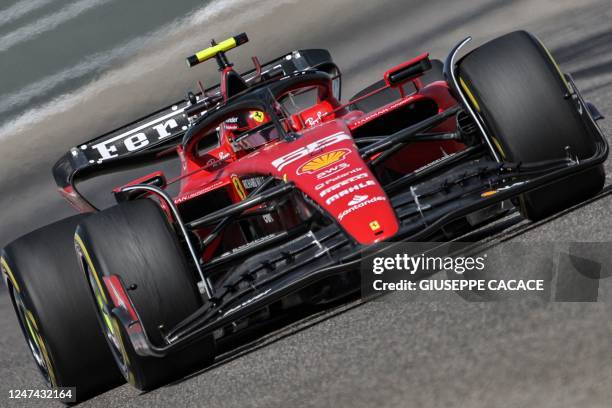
point(145, 140)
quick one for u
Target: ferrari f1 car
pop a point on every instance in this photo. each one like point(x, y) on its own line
point(282, 187)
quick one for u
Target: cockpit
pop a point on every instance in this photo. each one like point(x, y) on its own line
point(266, 113)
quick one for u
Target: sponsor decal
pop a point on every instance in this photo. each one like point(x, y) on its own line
point(374, 225)
point(239, 187)
point(307, 150)
point(332, 170)
point(323, 161)
point(213, 162)
point(252, 182)
point(250, 244)
point(343, 183)
point(428, 165)
point(350, 190)
point(195, 194)
point(336, 178)
point(358, 199)
point(378, 113)
point(140, 137)
point(310, 122)
point(362, 204)
point(258, 116)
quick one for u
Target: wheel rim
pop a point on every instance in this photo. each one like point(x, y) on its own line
point(107, 321)
point(35, 341)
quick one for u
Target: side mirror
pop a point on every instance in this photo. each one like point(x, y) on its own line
point(408, 70)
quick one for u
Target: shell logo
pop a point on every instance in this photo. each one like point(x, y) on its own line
point(322, 161)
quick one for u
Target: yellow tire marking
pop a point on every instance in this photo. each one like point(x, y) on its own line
point(30, 316)
point(569, 90)
point(100, 295)
point(83, 249)
point(31, 324)
point(124, 354)
point(477, 106)
point(9, 274)
point(469, 94)
point(498, 146)
point(40, 343)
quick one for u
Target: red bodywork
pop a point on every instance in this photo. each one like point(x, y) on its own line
point(324, 163)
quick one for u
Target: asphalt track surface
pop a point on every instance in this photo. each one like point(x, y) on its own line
point(435, 353)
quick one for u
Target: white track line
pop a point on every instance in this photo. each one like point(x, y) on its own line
point(48, 23)
point(18, 10)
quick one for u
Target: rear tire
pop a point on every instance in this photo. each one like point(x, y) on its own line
point(55, 311)
point(135, 242)
point(518, 90)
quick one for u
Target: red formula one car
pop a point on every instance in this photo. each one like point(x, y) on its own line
point(282, 187)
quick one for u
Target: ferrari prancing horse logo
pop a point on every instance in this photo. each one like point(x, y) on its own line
point(258, 116)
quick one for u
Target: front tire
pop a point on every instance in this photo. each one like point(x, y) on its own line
point(519, 92)
point(55, 311)
point(135, 242)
